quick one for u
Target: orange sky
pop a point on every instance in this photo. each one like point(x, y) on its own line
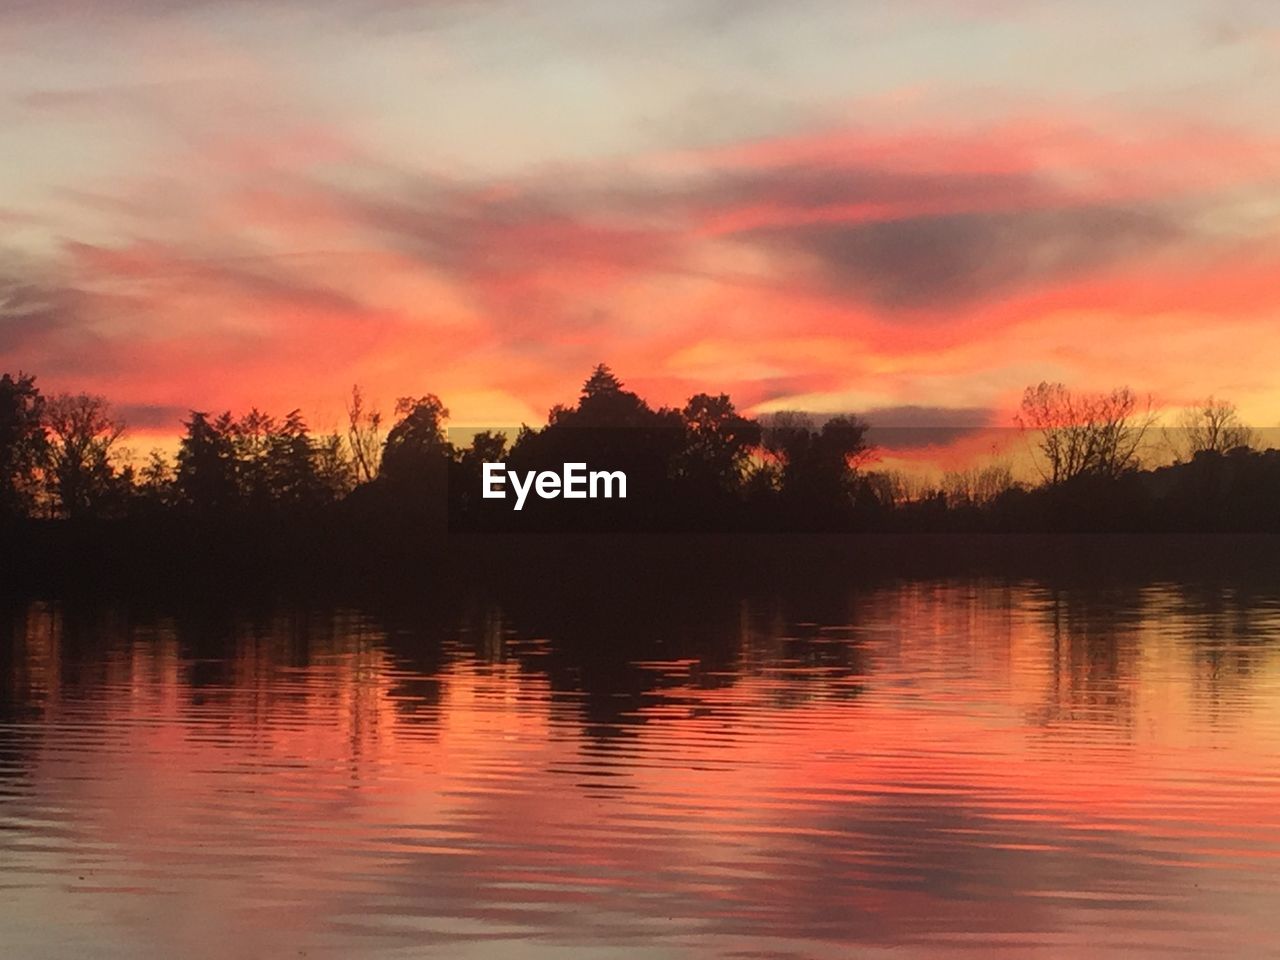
point(848, 209)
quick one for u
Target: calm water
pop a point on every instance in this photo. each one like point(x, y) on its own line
point(923, 769)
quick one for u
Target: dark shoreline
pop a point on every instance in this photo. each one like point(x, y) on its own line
point(57, 558)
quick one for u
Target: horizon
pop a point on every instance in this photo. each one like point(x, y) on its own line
point(910, 440)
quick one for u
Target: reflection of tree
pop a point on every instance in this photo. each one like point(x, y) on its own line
point(801, 658)
point(626, 663)
point(28, 657)
point(1105, 641)
point(28, 688)
point(1093, 656)
point(1230, 631)
point(433, 765)
point(620, 666)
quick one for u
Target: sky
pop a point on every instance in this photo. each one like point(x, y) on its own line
point(908, 210)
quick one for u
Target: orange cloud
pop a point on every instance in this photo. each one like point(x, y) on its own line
point(836, 270)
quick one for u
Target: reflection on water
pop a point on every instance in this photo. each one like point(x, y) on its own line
point(950, 768)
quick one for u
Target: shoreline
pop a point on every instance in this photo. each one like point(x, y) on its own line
point(61, 559)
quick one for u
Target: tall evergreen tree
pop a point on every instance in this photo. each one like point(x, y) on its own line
point(23, 443)
point(206, 474)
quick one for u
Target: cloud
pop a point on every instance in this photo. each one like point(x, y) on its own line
point(32, 310)
point(480, 233)
point(846, 263)
point(955, 260)
point(913, 427)
point(259, 281)
point(907, 244)
point(26, 10)
point(151, 416)
point(846, 188)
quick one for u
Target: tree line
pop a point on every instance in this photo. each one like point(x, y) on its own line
point(703, 465)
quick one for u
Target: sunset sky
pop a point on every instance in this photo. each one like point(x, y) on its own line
point(818, 205)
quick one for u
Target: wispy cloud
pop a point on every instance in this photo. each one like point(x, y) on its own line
point(488, 210)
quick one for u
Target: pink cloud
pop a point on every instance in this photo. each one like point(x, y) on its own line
point(842, 263)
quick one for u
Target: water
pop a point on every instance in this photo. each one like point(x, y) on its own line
point(920, 769)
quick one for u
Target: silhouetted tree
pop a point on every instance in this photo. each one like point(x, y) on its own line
point(1238, 490)
point(604, 403)
point(1211, 426)
point(787, 435)
point(334, 468)
point(23, 443)
point(466, 478)
point(206, 474)
point(257, 482)
point(156, 481)
point(1086, 434)
point(252, 436)
point(895, 488)
point(293, 477)
point(486, 447)
point(601, 383)
point(977, 486)
point(416, 447)
point(718, 443)
point(610, 428)
point(82, 439)
point(818, 472)
point(364, 436)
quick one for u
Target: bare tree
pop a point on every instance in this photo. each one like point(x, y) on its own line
point(335, 469)
point(894, 488)
point(82, 441)
point(364, 436)
point(978, 486)
point(1098, 434)
point(156, 478)
point(1210, 425)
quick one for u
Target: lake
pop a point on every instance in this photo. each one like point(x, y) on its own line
point(914, 768)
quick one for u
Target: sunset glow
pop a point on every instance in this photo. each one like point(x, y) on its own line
point(827, 206)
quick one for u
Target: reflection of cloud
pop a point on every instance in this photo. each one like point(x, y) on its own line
point(824, 769)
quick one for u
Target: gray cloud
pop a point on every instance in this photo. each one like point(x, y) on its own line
point(151, 415)
point(913, 416)
point(813, 186)
point(51, 9)
point(992, 235)
point(31, 311)
point(261, 279)
point(917, 427)
point(926, 262)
